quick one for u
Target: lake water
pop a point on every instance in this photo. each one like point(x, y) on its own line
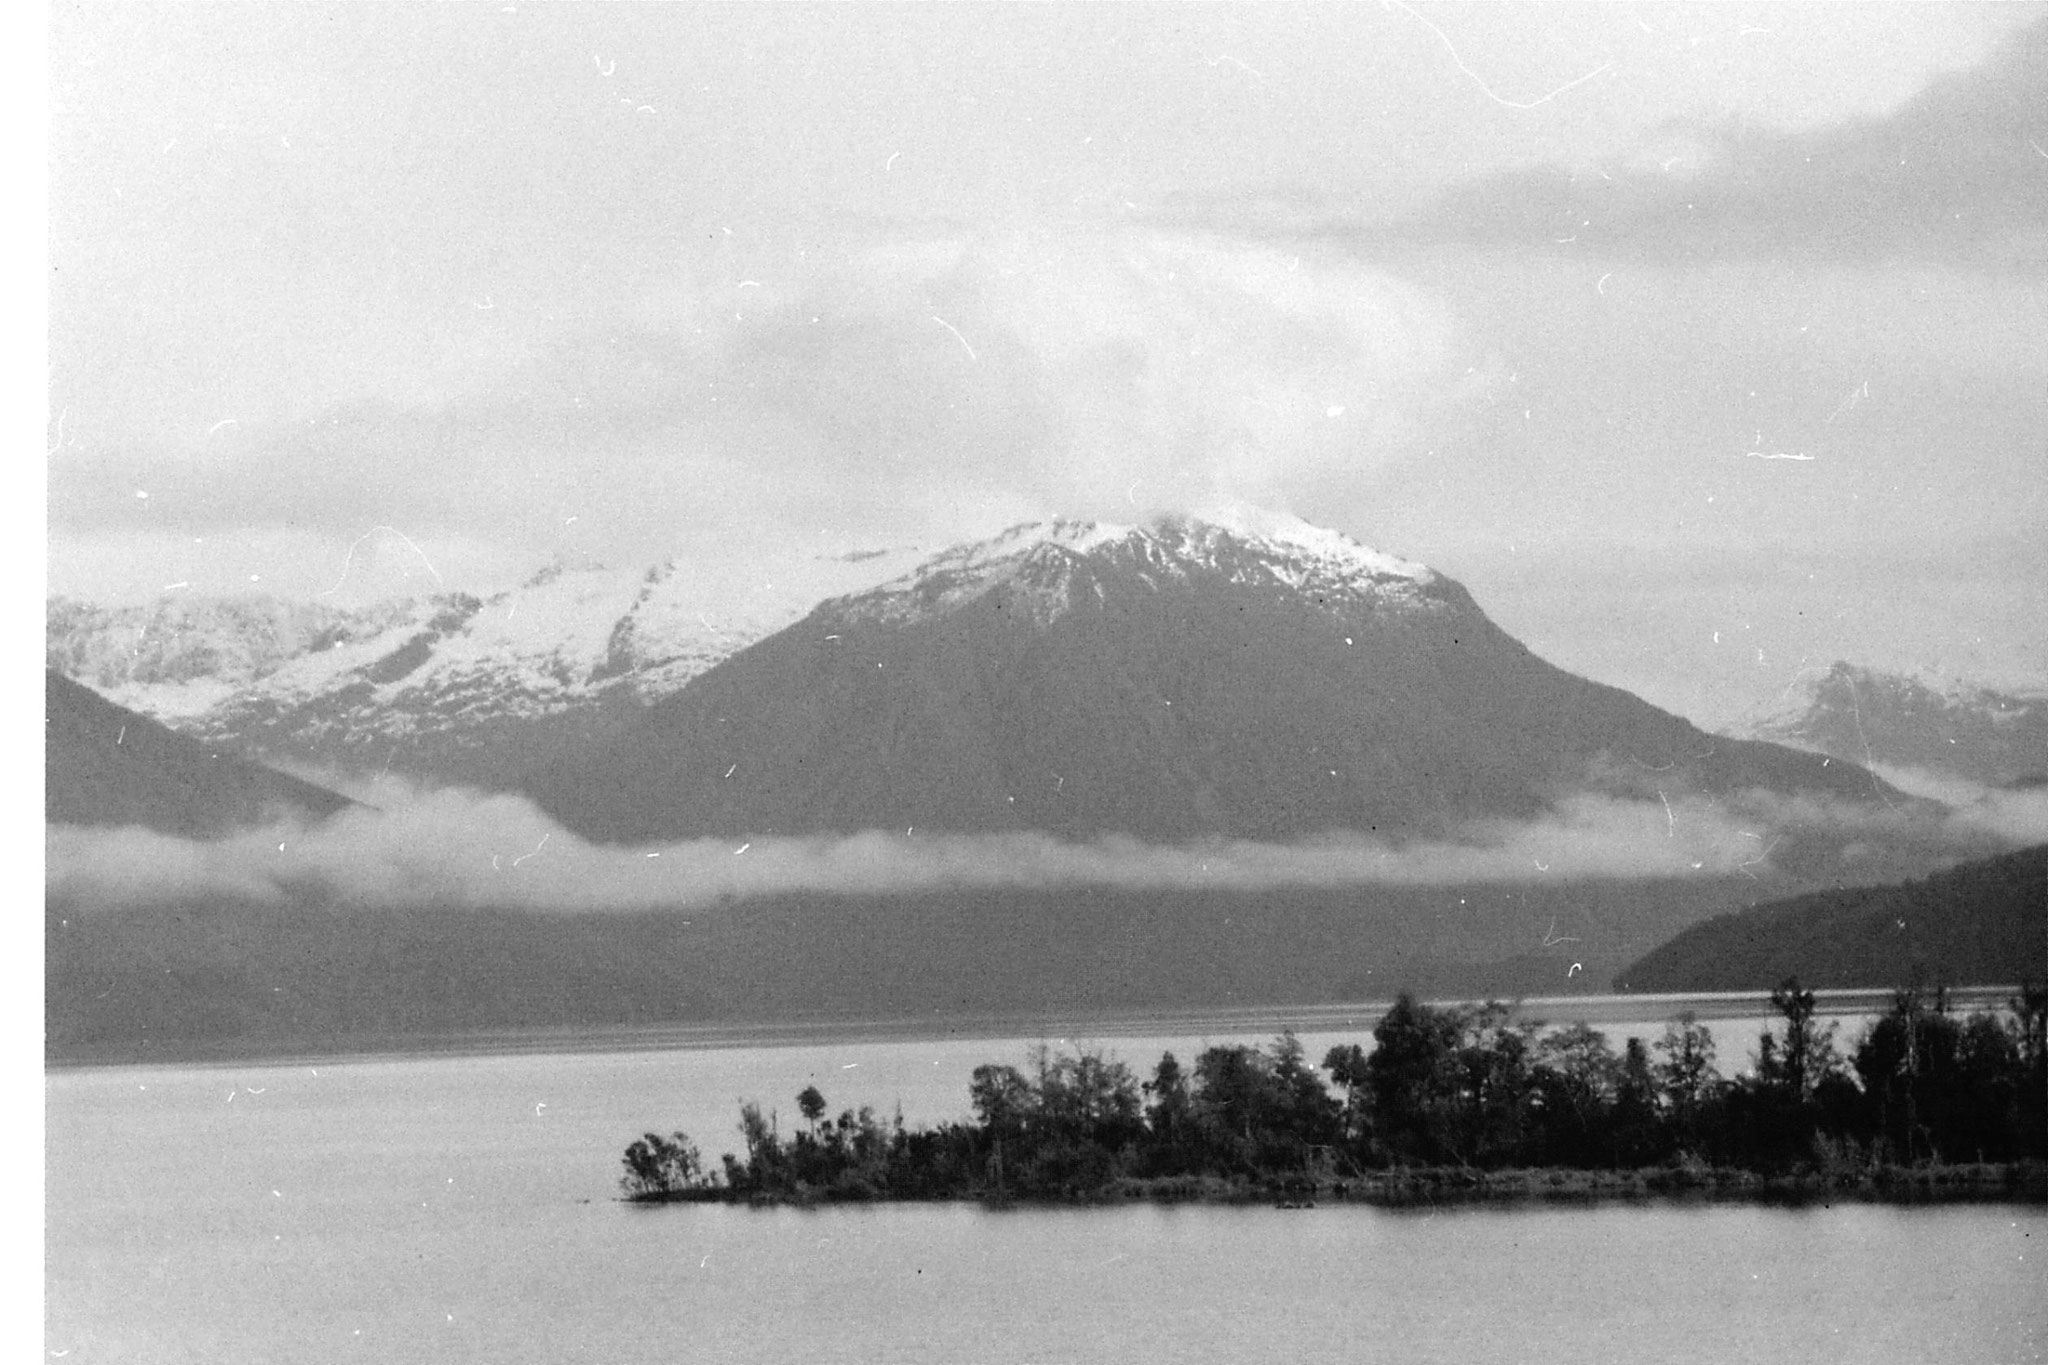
point(462, 1209)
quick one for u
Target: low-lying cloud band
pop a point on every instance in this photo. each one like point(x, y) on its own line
point(459, 848)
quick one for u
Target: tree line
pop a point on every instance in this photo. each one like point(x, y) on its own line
point(1442, 1087)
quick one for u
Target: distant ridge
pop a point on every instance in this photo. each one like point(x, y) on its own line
point(1868, 716)
point(1980, 923)
point(107, 765)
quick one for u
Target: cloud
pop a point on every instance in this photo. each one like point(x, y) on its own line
point(1958, 174)
point(901, 377)
point(452, 848)
point(1105, 372)
point(2016, 815)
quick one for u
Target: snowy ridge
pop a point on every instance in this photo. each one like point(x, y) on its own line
point(178, 657)
point(1289, 537)
point(1030, 557)
point(1037, 564)
point(1846, 684)
point(319, 683)
point(555, 644)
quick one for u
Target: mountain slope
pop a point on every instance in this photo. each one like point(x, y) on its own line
point(1867, 716)
point(106, 765)
point(228, 977)
point(1248, 676)
point(1981, 923)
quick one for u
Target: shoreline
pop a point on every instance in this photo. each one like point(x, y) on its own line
point(2020, 1183)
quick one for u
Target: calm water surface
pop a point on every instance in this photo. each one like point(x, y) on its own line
point(462, 1209)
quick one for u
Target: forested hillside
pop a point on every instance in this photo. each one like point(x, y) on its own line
point(1981, 923)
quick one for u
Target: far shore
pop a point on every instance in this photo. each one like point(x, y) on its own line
point(1088, 1023)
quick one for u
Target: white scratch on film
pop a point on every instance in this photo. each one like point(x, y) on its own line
point(348, 560)
point(956, 333)
point(1484, 89)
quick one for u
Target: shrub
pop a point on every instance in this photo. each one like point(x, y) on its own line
point(660, 1167)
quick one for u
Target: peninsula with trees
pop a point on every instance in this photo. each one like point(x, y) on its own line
point(1448, 1102)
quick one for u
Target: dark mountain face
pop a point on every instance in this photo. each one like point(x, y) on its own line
point(106, 765)
point(1267, 681)
point(1980, 923)
point(1868, 716)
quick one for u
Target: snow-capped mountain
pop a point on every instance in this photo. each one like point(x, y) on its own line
point(453, 687)
point(1869, 716)
point(1244, 675)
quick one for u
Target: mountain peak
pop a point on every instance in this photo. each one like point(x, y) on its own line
point(1237, 543)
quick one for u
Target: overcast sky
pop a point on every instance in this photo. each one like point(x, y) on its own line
point(1704, 344)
